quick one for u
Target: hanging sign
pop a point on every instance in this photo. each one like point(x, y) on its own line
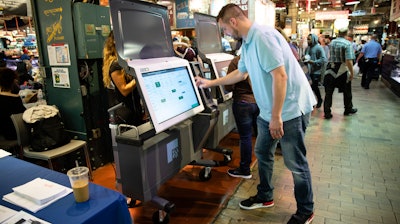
point(332, 15)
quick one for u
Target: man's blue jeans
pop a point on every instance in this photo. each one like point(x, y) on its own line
point(294, 155)
point(246, 119)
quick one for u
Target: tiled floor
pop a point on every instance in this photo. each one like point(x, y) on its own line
point(355, 166)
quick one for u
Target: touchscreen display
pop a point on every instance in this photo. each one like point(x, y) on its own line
point(170, 92)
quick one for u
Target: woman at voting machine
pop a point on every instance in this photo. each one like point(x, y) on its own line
point(121, 87)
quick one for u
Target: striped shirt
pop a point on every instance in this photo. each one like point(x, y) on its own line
point(341, 50)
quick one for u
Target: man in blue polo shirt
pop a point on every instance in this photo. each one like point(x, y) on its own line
point(372, 53)
point(285, 100)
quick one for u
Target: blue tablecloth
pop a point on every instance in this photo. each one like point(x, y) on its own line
point(104, 205)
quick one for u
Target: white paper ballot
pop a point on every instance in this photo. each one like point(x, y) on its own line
point(25, 218)
point(6, 213)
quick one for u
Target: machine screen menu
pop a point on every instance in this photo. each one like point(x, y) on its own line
point(170, 92)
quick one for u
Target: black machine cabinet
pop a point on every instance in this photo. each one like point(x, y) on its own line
point(145, 167)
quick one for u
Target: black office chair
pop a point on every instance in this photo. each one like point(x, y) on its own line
point(9, 145)
point(24, 144)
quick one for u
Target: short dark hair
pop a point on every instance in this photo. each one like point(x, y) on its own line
point(228, 11)
point(342, 33)
point(7, 79)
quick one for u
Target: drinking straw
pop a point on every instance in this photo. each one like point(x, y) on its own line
point(77, 167)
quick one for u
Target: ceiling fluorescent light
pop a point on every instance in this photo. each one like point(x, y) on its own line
point(352, 2)
point(325, 3)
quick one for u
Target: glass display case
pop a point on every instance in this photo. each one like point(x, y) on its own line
point(391, 66)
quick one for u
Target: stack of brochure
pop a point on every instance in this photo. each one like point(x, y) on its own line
point(40, 191)
point(37, 194)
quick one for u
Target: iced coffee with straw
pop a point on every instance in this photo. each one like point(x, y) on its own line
point(79, 179)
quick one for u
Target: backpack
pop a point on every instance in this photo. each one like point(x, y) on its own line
point(46, 128)
point(48, 133)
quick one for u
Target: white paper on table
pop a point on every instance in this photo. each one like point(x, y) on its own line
point(40, 190)
point(30, 205)
point(6, 213)
point(25, 218)
point(4, 153)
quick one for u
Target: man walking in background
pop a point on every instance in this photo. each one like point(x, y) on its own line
point(316, 64)
point(339, 73)
point(372, 54)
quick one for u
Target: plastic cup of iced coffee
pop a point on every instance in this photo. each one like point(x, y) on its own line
point(79, 179)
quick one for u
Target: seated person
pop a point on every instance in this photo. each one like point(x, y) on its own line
point(184, 50)
point(23, 73)
point(11, 103)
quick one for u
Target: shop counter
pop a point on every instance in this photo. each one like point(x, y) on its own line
point(389, 73)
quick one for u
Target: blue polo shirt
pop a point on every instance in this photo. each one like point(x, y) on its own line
point(371, 49)
point(263, 50)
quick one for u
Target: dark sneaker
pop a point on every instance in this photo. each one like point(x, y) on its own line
point(349, 112)
point(239, 173)
point(328, 116)
point(254, 202)
point(319, 104)
point(301, 219)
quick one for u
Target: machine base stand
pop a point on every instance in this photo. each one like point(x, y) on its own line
point(165, 207)
point(205, 173)
point(160, 217)
point(131, 202)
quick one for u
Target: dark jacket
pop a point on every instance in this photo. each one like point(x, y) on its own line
point(317, 54)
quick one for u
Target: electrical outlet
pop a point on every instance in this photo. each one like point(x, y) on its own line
point(96, 133)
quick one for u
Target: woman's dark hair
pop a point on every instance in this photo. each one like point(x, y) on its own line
point(7, 79)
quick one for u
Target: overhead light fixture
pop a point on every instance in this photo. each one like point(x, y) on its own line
point(352, 2)
point(325, 3)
